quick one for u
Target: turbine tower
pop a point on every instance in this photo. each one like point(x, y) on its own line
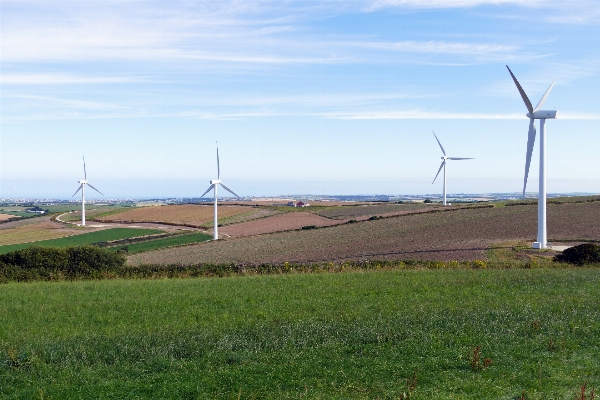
point(542, 115)
point(443, 165)
point(82, 184)
point(213, 185)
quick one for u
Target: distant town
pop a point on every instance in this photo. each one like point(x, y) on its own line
point(306, 199)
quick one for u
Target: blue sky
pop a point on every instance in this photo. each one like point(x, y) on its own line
point(320, 97)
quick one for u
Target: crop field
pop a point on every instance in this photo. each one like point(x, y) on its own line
point(346, 212)
point(176, 240)
point(185, 214)
point(33, 232)
point(4, 217)
point(281, 222)
point(456, 334)
point(92, 211)
point(80, 239)
point(452, 234)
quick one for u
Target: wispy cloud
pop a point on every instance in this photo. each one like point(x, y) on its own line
point(420, 114)
point(60, 79)
point(377, 4)
point(214, 32)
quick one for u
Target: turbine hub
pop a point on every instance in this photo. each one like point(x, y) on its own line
point(543, 114)
point(215, 181)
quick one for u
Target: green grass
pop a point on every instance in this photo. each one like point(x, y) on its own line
point(318, 336)
point(166, 242)
point(84, 238)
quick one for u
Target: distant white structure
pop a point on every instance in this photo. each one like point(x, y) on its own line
point(213, 185)
point(298, 204)
point(542, 115)
point(82, 184)
point(443, 165)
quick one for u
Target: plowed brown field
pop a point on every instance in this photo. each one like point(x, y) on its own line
point(185, 214)
point(281, 222)
point(459, 234)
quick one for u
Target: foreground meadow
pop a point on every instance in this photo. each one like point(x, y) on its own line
point(452, 334)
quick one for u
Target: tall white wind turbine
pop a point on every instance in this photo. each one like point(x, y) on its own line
point(213, 185)
point(443, 165)
point(82, 184)
point(542, 115)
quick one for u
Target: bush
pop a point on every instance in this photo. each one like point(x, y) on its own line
point(72, 261)
point(586, 253)
point(309, 227)
point(427, 201)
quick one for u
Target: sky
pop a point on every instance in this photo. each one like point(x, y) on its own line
point(302, 97)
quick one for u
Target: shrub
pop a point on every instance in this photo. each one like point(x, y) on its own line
point(586, 253)
point(309, 227)
point(70, 260)
point(427, 201)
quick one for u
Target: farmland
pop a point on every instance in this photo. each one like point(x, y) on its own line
point(277, 223)
point(177, 240)
point(451, 234)
point(33, 232)
point(355, 211)
point(185, 215)
point(349, 335)
point(83, 238)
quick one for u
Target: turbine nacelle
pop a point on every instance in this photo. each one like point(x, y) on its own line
point(215, 182)
point(82, 181)
point(543, 114)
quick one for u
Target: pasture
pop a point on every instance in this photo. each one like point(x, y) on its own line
point(452, 334)
point(444, 234)
point(80, 239)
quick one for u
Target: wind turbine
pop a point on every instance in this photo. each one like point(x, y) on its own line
point(443, 165)
point(213, 185)
point(542, 115)
point(82, 184)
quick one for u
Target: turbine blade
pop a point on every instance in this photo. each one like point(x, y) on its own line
point(207, 190)
point(530, 143)
point(459, 158)
point(229, 190)
point(443, 151)
point(90, 185)
point(543, 100)
point(522, 92)
point(84, 172)
point(80, 186)
point(436, 175)
point(218, 165)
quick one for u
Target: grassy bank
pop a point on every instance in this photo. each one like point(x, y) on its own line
point(350, 335)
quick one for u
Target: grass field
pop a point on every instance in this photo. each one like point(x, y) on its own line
point(84, 238)
point(177, 240)
point(185, 214)
point(319, 336)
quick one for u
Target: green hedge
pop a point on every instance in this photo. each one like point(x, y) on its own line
point(47, 263)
